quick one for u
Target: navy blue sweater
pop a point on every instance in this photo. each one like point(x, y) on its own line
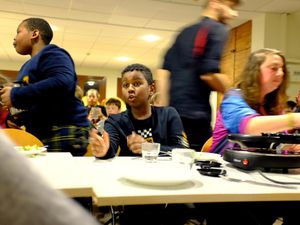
point(49, 92)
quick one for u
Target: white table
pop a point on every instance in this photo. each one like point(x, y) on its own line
point(62, 172)
point(110, 188)
point(104, 181)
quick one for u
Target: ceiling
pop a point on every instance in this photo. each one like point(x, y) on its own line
point(95, 32)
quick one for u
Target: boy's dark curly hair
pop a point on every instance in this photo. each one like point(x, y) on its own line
point(143, 69)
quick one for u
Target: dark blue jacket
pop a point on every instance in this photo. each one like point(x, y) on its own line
point(49, 92)
point(196, 51)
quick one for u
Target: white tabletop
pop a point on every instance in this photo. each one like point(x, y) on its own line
point(61, 171)
point(108, 182)
point(111, 187)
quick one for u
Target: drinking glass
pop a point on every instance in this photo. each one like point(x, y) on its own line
point(150, 151)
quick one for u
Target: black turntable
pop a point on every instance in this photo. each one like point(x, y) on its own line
point(262, 151)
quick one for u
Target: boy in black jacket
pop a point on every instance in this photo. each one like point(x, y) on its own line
point(140, 122)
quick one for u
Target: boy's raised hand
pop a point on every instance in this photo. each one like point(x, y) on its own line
point(5, 96)
point(100, 145)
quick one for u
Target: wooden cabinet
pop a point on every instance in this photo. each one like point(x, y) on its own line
point(236, 52)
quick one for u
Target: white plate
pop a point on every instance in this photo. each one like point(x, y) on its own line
point(207, 156)
point(30, 152)
point(157, 175)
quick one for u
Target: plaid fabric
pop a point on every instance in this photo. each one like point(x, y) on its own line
point(68, 139)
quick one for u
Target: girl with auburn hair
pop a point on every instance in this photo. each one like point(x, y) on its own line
point(256, 105)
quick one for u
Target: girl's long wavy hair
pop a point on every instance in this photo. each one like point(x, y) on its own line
point(249, 83)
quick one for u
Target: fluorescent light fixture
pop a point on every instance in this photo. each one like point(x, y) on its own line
point(123, 58)
point(90, 82)
point(150, 37)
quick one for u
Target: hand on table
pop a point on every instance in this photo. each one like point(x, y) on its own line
point(294, 148)
point(134, 143)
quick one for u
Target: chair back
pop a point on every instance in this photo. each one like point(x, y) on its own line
point(21, 137)
point(207, 144)
point(89, 151)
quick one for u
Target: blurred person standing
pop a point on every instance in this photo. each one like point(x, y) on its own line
point(298, 102)
point(190, 70)
point(46, 96)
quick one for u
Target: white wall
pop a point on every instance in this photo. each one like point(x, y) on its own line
point(279, 31)
point(293, 49)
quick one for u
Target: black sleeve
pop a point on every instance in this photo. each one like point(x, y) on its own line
point(175, 132)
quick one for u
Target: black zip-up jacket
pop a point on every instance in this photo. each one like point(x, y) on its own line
point(167, 130)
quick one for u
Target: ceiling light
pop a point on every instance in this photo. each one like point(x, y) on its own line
point(90, 82)
point(123, 58)
point(150, 38)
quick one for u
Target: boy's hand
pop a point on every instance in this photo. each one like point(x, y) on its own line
point(134, 143)
point(5, 96)
point(99, 144)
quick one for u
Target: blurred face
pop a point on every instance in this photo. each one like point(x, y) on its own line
point(298, 99)
point(271, 73)
point(112, 109)
point(226, 11)
point(135, 89)
point(92, 99)
point(22, 40)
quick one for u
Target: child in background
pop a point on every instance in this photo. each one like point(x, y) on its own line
point(113, 106)
point(96, 112)
point(290, 106)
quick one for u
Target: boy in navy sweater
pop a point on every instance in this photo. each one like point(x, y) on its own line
point(47, 94)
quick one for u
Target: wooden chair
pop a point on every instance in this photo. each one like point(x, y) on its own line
point(207, 144)
point(21, 137)
point(89, 151)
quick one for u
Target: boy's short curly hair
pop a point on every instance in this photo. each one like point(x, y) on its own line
point(42, 26)
point(143, 69)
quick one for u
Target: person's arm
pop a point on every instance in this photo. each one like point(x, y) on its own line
point(239, 117)
point(217, 81)
point(163, 86)
point(27, 199)
point(277, 123)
